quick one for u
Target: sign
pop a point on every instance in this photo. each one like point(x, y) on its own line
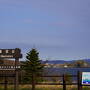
point(9, 67)
point(86, 78)
point(10, 53)
point(6, 56)
point(7, 51)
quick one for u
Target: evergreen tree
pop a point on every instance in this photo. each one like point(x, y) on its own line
point(33, 66)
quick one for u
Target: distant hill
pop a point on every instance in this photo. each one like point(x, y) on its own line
point(63, 61)
point(57, 61)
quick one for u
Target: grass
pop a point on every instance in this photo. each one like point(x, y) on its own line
point(44, 87)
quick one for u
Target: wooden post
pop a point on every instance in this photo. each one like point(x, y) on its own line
point(17, 56)
point(79, 78)
point(5, 85)
point(16, 74)
point(64, 82)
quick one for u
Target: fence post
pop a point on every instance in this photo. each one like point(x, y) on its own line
point(5, 85)
point(79, 77)
point(64, 82)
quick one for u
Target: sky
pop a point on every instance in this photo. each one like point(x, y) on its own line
point(58, 29)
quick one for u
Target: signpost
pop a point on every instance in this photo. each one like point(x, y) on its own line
point(86, 78)
point(15, 54)
point(10, 53)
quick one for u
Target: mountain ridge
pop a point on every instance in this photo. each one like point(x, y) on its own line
point(64, 61)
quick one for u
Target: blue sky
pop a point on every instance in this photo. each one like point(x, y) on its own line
point(59, 29)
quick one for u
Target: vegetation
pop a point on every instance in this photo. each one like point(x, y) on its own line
point(80, 63)
point(68, 79)
point(45, 87)
point(33, 66)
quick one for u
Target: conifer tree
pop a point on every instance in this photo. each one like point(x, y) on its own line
point(33, 66)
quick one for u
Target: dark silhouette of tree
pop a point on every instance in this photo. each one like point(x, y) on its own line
point(79, 63)
point(33, 66)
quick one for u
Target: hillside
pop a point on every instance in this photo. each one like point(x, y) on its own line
point(63, 61)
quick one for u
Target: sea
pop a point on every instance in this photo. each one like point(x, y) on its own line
point(60, 71)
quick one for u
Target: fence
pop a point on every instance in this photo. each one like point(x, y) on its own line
point(5, 80)
point(64, 82)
